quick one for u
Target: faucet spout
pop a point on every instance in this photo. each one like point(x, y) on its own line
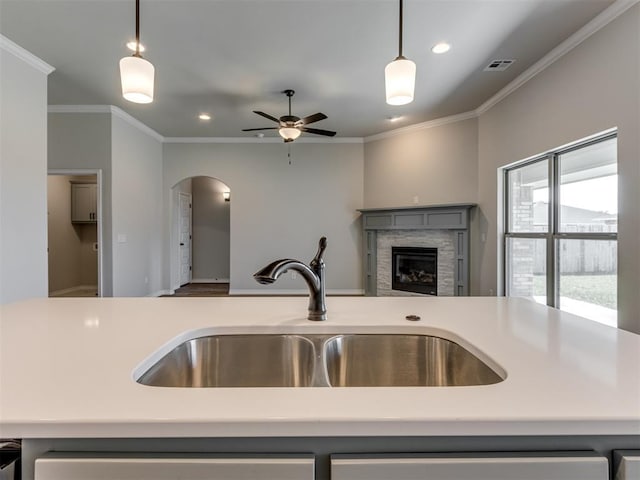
point(313, 276)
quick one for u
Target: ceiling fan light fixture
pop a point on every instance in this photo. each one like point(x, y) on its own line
point(137, 74)
point(289, 133)
point(400, 81)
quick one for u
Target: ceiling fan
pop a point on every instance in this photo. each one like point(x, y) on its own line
point(290, 127)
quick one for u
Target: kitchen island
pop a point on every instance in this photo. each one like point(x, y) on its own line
point(68, 370)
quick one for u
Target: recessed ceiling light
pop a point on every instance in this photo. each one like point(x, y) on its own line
point(395, 118)
point(132, 46)
point(204, 116)
point(442, 47)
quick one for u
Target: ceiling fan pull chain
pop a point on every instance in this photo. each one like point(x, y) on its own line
point(289, 153)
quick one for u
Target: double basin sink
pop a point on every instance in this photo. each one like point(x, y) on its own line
point(311, 360)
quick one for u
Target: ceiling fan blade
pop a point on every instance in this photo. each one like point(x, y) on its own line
point(317, 131)
point(316, 117)
point(256, 129)
point(266, 115)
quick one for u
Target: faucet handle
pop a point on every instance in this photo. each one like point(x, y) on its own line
point(322, 245)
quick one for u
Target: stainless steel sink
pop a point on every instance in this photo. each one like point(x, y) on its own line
point(403, 361)
point(326, 360)
point(236, 361)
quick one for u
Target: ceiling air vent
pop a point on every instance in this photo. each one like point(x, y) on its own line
point(498, 65)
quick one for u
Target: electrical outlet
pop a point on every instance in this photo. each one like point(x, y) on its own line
point(146, 279)
point(415, 199)
point(293, 274)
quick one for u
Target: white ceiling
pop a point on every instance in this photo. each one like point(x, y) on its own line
point(229, 57)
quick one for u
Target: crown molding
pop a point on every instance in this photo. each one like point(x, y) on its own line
point(115, 111)
point(118, 112)
point(422, 126)
point(602, 20)
point(277, 140)
point(79, 108)
point(25, 55)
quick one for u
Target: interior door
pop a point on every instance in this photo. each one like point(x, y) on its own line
point(184, 236)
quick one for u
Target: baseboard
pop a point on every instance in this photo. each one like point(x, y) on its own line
point(160, 293)
point(209, 280)
point(300, 292)
point(72, 289)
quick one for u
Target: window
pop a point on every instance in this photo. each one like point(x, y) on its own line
point(561, 219)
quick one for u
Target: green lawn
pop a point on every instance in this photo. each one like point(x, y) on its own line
point(597, 289)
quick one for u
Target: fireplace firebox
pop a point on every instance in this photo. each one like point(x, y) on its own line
point(415, 270)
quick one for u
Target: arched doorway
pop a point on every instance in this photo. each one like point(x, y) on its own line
point(200, 238)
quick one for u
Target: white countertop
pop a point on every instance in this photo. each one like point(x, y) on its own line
point(66, 371)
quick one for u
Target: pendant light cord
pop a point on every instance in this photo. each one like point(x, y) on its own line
point(137, 54)
point(399, 34)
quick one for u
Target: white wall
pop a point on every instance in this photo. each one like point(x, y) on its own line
point(211, 230)
point(136, 210)
point(280, 210)
point(594, 87)
point(23, 177)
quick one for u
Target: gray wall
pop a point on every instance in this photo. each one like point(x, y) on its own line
point(592, 88)
point(211, 230)
point(83, 141)
point(280, 210)
point(438, 165)
point(23, 180)
point(72, 261)
point(136, 211)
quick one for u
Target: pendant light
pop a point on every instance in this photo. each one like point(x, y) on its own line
point(136, 73)
point(400, 76)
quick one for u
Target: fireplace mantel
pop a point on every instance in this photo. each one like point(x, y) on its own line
point(451, 217)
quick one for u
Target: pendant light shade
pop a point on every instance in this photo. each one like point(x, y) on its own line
point(400, 81)
point(137, 77)
point(289, 133)
point(136, 73)
point(400, 75)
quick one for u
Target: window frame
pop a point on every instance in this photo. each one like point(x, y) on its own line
point(553, 235)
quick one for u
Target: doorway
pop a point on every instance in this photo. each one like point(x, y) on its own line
point(74, 228)
point(184, 236)
point(201, 237)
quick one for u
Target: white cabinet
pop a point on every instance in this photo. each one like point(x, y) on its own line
point(86, 466)
point(476, 466)
point(84, 202)
point(627, 464)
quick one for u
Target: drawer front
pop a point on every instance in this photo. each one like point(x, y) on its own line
point(627, 464)
point(173, 468)
point(481, 467)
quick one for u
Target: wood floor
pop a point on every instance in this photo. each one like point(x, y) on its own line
point(202, 290)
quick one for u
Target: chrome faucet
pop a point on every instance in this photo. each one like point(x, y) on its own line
point(313, 275)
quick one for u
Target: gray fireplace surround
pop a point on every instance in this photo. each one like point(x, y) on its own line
point(445, 227)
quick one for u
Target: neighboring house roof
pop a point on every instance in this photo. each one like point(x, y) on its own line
point(572, 215)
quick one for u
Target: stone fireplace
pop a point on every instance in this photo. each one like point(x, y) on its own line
point(442, 230)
